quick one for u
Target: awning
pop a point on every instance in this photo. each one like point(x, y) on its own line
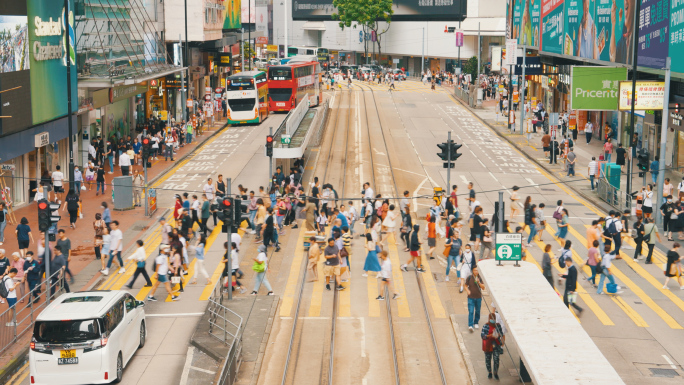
point(489, 26)
point(314, 26)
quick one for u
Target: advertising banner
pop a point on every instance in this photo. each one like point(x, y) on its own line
point(496, 58)
point(223, 59)
point(262, 22)
point(528, 33)
point(616, 24)
point(511, 52)
point(649, 96)
point(249, 11)
point(596, 88)
point(552, 35)
point(233, 14)
point(574, 12)
point(516, 20)
point(404, 10)
point(676, 35)
point(604, 27)
point(653, 36)
point(47, 34)
point(15, 84)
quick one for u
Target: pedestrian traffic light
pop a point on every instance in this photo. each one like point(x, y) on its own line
point(46, 218)
point(226, 207)
point(449, 152)
point(643, 160)
point(269, 145)
point(146, 150)
point(240, 213)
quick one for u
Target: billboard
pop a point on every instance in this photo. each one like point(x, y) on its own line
point(581, 36)
point(404, 10)
point(649, 96)
point(653, 36)
point(15, 84)
point(233, 14)
point(552, 35)
point(676, 34)
point(528, 22)
point(47, 34)
point(262, 21)
point(596, 88)
point(496, 58)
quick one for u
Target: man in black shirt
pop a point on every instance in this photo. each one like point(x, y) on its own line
point(58, 264)
point(570, 294)
point(270, 234)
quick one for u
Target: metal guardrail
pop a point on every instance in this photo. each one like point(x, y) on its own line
point(617, 198)
point(16, 321)
point(324, 111)
point(226, 326)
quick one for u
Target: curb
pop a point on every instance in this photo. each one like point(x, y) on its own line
point(470, 369)
point(264, 342)
point(15, 363)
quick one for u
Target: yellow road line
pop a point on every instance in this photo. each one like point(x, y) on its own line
point(373, 304)
point(648, 301)
point(403, 310)
point(131, 266)
point(345, 299)
point(191, 271)
point(431, 290)
point(17, 374)
point(293, 278)
point(317, 292)
point(584, 295)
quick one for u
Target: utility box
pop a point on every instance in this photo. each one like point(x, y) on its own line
point(122, 193)
point(613, 173)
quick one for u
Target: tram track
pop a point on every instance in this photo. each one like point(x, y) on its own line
point(327, 362)
point(395, 193)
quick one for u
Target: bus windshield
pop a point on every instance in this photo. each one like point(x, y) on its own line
point(240, 83)
point(280, 73)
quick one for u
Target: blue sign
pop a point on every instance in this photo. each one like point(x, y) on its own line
point(360, 37)
point(653, 33)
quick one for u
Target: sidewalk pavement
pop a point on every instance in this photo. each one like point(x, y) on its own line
point(133, 223)
point(584, 151)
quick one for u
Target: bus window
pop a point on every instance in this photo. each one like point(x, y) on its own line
point(280, 73)
point(238, 84)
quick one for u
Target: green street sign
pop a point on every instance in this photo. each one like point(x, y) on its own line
point(285, 139)
point(509, 247)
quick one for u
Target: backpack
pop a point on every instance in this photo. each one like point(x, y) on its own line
point(3, 289)
point(557, 214)
point(561, 260)
point(612, 229)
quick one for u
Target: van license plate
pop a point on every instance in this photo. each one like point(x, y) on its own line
point(280, 104)
point(67, 361)
point(68, 353)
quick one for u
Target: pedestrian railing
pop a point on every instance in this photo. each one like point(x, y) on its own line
point(617, 198)
point(16, 321)
point(316, 139)
point(462, 94)
point(226, 326)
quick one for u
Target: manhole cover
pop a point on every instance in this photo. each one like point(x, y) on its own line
point(548, 189)
point(659, 372)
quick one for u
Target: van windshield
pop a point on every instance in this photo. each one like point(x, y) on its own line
point(67, 331)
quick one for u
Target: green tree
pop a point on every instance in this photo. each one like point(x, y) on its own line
point(470, 67)
point(367, 13)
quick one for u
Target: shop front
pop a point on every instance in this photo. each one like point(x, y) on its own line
point(116, 110)
point(156, 99)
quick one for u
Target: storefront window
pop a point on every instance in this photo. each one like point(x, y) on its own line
point(11, 182)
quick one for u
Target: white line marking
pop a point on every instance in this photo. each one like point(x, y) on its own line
point(202, 370)
point(187, 366)
point(176, 315)
point(465, 180)
point(672, 365)
point(532, 184)
point(415, 193)
point(363, 337)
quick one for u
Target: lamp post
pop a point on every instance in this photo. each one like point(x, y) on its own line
point(67, 31)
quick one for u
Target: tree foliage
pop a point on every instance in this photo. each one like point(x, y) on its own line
point(470, 67)
point(367, 13)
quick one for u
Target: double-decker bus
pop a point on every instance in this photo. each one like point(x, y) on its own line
point(247, 97)
point(322, 54)
point(288, 84)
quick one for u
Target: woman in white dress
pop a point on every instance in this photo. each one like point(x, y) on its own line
point(390, 224)
point(467, 260)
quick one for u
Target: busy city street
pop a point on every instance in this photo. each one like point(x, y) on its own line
point(280, 193)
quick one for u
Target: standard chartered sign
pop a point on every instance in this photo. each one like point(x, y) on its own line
point(48, 51)
point(596, 88)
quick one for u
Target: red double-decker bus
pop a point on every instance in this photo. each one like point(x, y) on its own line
point(289, 83)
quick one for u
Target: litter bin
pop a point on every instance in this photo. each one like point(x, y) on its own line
point(122, 193)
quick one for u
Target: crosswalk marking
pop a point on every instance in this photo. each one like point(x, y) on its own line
point(403, 310)
point(647, 300)
point(430, 288)
point(373, 304)
point(317, 293)
point(593, 306)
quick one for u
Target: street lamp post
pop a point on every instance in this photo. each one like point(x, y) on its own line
point(68, 80)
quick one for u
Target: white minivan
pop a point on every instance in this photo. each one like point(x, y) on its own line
point(86, 337)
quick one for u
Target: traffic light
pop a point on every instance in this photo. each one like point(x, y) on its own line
point(643, 160)
point(269, 145)
point(449, 152)
point(240, 213)
point(225, 213)
point(146, 150)
point(46, 218)
point(44, 215)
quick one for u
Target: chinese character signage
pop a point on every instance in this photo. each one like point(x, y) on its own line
point(649, 95)
point(596, 88)
point(552, 26)
point(676, 34)
point(653, 33)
